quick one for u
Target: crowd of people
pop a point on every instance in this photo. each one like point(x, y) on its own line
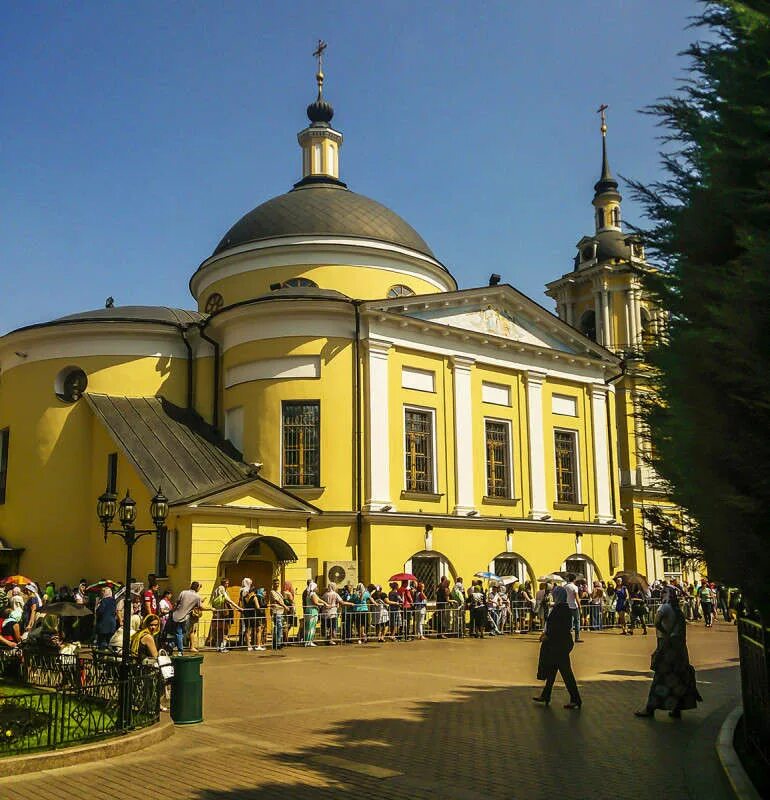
point(257, 617)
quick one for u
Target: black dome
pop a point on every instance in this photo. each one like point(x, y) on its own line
point(612, 244)
point(323, 208)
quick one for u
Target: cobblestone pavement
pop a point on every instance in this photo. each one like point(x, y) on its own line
point(450, 719)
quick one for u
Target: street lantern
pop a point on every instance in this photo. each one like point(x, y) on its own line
point(127, 511)
point(159, 509)
point(106, 507)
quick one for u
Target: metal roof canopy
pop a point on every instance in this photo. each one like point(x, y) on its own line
point(238, 548)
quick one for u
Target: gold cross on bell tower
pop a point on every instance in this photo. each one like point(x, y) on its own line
point(319, 54)
point(602, 108)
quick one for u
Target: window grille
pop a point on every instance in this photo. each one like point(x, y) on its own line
point(566, 467)
point(419, 451)
point(672, 565)
point(507, 566)
point(426, 570)
point(299, 283)
point(498, 456)
point(301, 443)
point(112, 473)
point(399, 290)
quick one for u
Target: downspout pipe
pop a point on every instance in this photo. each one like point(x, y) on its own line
point(215, 345)
point(190, 390)
point(357, 432)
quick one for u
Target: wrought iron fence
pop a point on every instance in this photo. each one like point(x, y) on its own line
point(754, 648)
point(54, 701)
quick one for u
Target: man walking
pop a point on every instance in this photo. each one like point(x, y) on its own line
point(573, 603)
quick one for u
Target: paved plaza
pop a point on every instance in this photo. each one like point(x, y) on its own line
point(449, 719)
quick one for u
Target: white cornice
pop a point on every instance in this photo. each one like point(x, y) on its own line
point(83, 339)
point(310, 251)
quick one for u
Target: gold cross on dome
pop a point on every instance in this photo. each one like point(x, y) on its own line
point(319, 54)
point(602, 108)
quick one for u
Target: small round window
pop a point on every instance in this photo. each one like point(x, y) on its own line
point(70, 384)
point(214, 302)
point(299, 283)
point(399, 290)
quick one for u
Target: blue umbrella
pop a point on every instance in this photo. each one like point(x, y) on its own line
point(489, 576)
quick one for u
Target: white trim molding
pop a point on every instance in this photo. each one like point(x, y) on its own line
point(537, 473)
point(273, 369)
point(377, 401)
point(463, 403)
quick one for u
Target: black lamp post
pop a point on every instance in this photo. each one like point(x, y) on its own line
point(106, 507)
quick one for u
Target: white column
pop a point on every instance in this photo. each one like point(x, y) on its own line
point(463, 436)
point(606, 326)
point(601, 453)
point(599, 317)
point(631, 312)
point(627, 319)
point(379, 426)
point(537, 474)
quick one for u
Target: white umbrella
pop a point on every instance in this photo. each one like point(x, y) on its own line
point(552, 578)
point(508, 579)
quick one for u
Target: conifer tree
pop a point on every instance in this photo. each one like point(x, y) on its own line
point(709, 417)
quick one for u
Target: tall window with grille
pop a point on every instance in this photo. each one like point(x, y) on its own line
point(5, 436)
point(498, 458)
point(301, 434)
point(565, 443)
point(418, 447)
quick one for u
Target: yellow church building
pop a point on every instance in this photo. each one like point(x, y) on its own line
point(335, 408)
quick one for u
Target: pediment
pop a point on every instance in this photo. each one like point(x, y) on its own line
point(501, 312)
point(257, 495)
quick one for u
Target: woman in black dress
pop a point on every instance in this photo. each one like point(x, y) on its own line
point(556, 645)
point(673, 684)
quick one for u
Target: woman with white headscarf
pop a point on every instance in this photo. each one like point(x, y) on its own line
point(312, 603)
point(673, 684)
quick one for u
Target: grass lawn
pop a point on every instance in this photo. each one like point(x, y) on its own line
point(32, 719)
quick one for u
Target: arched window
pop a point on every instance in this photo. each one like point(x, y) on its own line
point(429, 566)
point(587, 325)
point(599, 217)
point(581, 565)
point(616, 217)
point(505, 564)
point(399, 290)
point(299, 283)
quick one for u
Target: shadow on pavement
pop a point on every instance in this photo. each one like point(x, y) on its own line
point(496, 743)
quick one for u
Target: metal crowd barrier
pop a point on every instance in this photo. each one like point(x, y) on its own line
point(225, 631)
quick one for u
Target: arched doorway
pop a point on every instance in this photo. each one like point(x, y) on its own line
point(430, 567)
point(506, 564)
point(256, 557)
point(580, 564)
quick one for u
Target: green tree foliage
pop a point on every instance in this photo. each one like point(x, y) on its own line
point(710, 416)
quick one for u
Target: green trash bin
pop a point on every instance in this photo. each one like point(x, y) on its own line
point(187, 690)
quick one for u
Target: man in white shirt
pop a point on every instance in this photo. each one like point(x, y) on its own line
point(574, 604)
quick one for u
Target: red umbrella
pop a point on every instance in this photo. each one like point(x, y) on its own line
point(99, 585)
point(18, 580)
point(402, 576)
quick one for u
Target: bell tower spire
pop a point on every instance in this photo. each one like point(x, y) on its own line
point(606, 196)
point(320, 143)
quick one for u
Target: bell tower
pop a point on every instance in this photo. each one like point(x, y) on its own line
point(601, 296)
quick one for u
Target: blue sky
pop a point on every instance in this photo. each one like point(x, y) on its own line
point(132, 135)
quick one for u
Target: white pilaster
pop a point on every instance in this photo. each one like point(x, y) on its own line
point(601, 453)
point(379, 426)
point(537, 474)
point(463, 435)
point(627, 318)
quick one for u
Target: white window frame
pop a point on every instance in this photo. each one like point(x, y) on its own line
point(579, 487)
point(508, 424)
point(678, 572)
point(434, 459)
